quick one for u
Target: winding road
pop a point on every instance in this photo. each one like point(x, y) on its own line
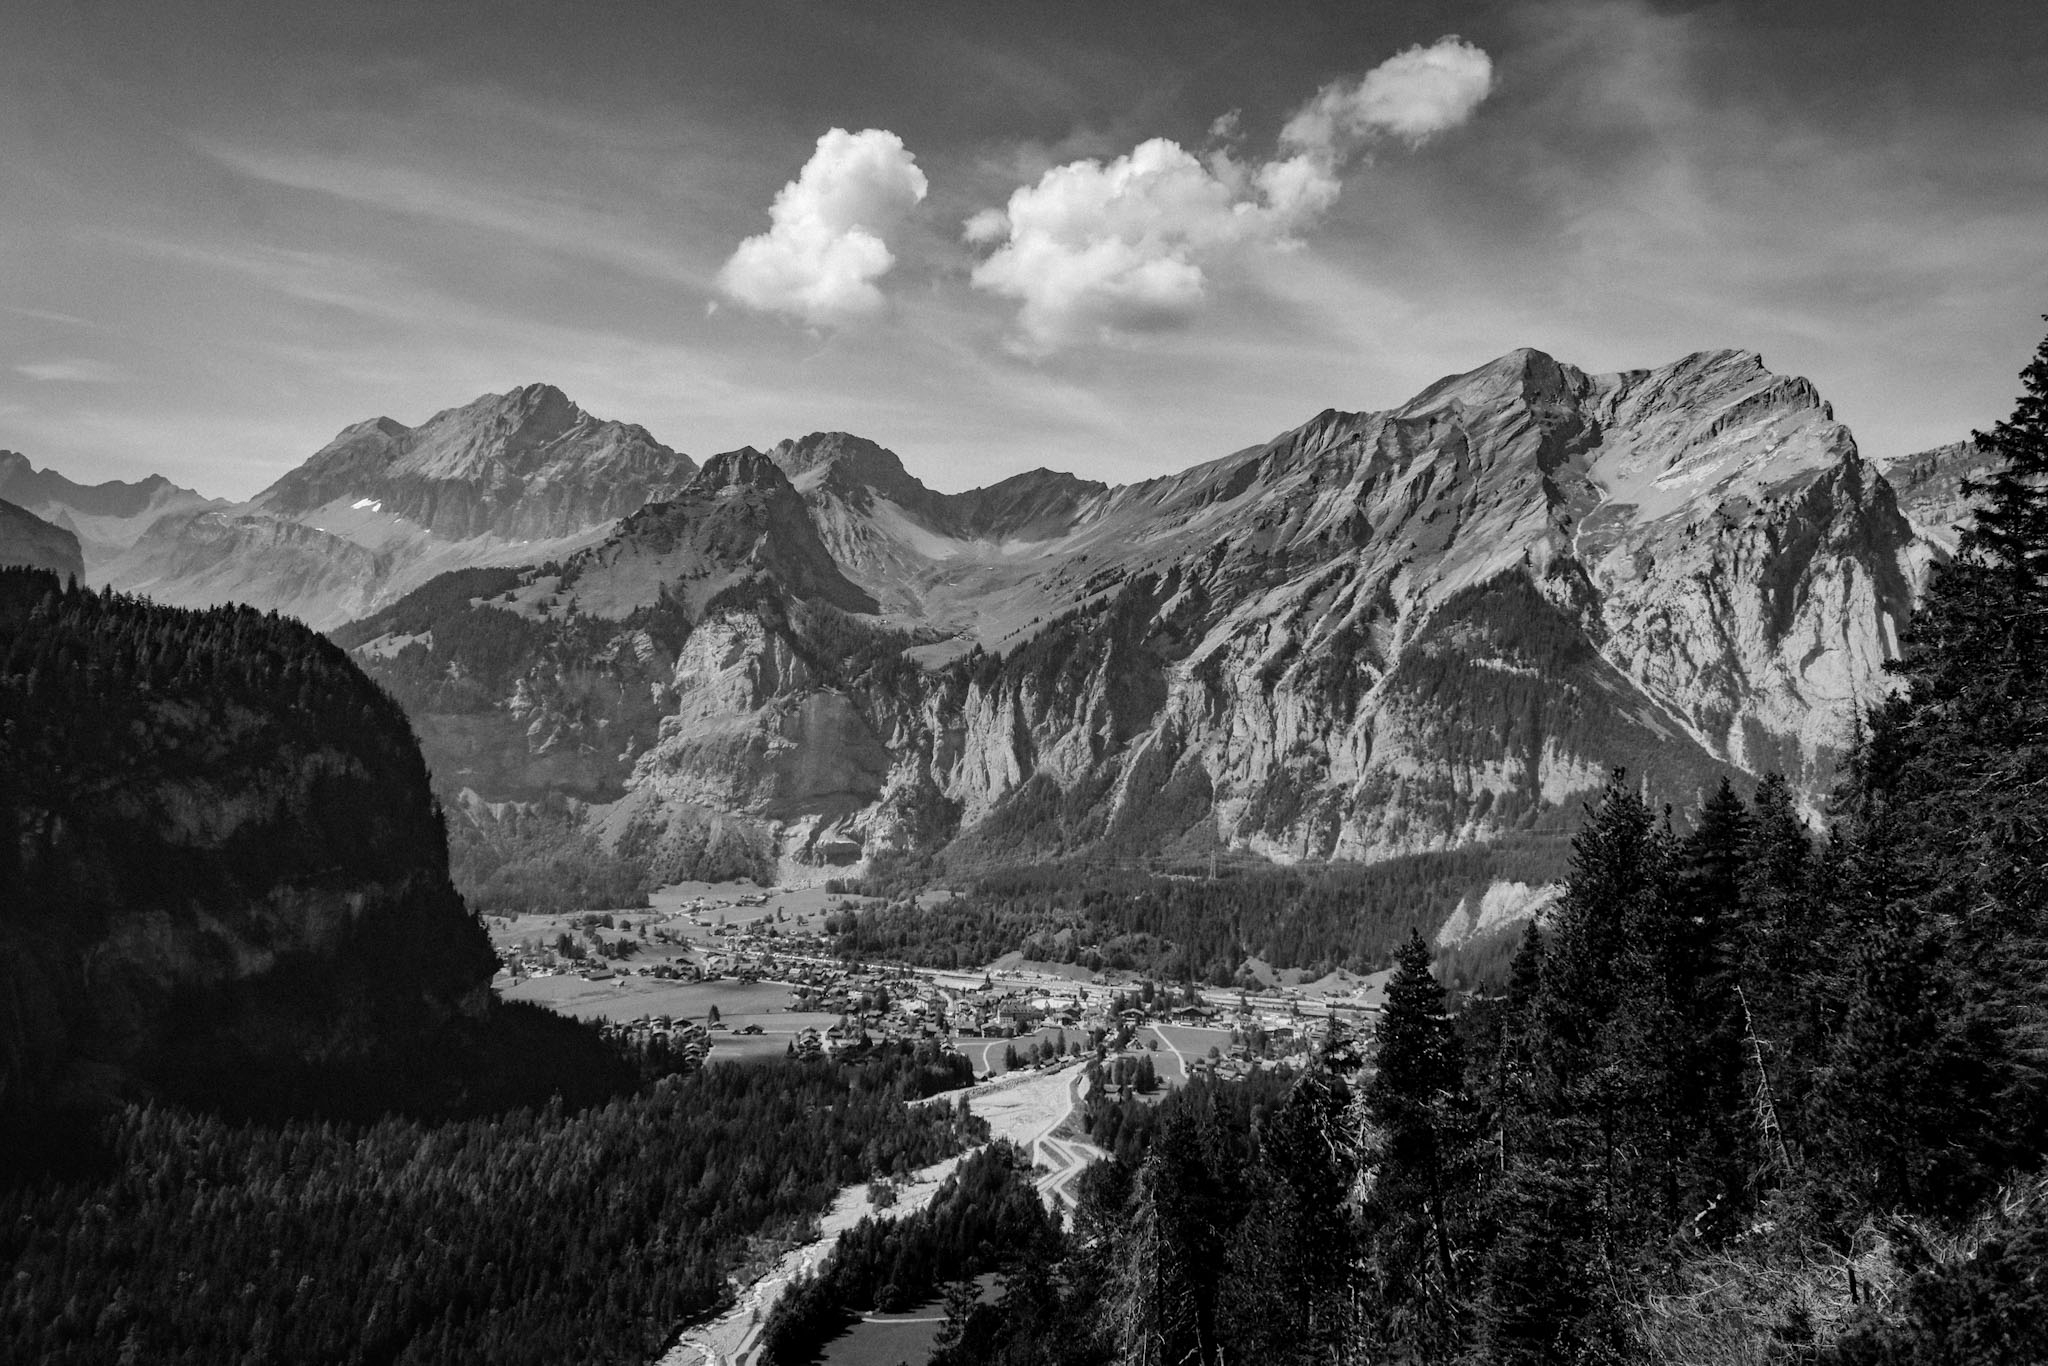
point(1024, 1107)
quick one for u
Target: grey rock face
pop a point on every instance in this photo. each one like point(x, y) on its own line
point(526, 465)
point(1379, 633)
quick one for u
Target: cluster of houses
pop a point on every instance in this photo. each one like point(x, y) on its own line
point(686, 1036)
point(877, 1003)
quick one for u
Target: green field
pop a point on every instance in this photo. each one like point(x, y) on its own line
point(886, 1341)
point(628, 998)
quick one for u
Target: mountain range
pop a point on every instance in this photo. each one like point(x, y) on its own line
point(514, 478)
point(1379, 633)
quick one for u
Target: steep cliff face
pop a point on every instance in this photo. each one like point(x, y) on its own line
point(510, 479)
point(1379, 633)
point(1393, 632)
point(1931, 493)
point(27, 541)
point(700, 627)
point(224, 867)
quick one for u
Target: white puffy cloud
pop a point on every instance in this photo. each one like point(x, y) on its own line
point(826, 244)
point(1411, 95)
point(1099, 248)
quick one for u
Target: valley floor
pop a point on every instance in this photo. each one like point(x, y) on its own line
point(1022, 1107)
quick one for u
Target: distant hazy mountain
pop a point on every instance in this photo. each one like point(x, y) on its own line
point(28, 541)
point(1379, 633)
point(106, 518)
point(516, 478)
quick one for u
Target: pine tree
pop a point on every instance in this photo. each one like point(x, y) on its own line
point(1704, 1129)
point(1424, 1163)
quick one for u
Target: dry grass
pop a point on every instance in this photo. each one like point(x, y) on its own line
point(1774, 1298)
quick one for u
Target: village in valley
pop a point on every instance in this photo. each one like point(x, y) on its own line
point(732, 971)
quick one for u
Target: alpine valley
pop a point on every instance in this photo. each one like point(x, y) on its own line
point(1378, 635)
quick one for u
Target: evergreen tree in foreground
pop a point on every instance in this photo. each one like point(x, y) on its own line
point(1424, 1163)
point(1943, 866)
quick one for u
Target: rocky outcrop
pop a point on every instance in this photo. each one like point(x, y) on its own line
point(27, 541)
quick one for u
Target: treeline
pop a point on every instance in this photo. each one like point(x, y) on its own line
point(528, 1237)
point(1193, 927)
point(986, 1215)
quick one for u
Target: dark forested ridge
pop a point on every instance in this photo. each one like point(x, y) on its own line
point(227, 878)
point(531, 1237)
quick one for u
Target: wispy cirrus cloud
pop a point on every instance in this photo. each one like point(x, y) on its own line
point(69, 371)
point(576, 225)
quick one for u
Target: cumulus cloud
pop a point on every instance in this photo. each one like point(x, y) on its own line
point(1101, 248)
point(826, 244)
point(1116, 246)
point(1412, 95)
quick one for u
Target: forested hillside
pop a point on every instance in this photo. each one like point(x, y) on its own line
point(532, 1237)
point(227, 880)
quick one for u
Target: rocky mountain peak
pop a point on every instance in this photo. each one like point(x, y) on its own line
point(801, 455)
point(1526, 375)
point(739, 518)
point(854, 470)
point(743, 468)
point(527, 464)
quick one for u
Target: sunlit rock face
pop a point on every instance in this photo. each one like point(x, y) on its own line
point(1379, 633)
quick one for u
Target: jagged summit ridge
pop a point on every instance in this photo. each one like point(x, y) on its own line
point(526, 464)
point(516, 478)
point(1380, 632)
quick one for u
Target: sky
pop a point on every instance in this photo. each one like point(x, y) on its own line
point(1112, 239)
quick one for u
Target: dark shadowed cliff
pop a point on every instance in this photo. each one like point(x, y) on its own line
point(226, 878)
